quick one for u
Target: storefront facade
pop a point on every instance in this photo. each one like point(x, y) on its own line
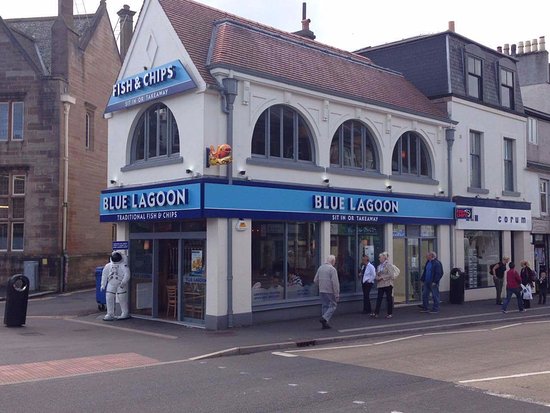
point(317, 167)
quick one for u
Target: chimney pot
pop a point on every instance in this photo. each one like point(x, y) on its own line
point(126, 19)
point(527, 46)
point(542, 45)
point(452, 26)
point(520, 47)
point(513, 52)
point(534, 45)
point(499, 49)
point(506, 48)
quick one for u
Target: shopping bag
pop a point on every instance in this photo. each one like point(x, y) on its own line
point(527, 294)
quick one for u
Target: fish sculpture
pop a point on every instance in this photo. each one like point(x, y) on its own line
point(220, 156)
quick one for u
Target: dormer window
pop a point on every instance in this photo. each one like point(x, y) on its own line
point(475, 79)
point(507, 88)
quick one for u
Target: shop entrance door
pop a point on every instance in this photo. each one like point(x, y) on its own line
point(194, 279)
point(167, 278)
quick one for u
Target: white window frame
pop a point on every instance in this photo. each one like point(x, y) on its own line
point(508, 157)
point(479, 156)
point(532, 131)
point(16, 177)
point(543, 188)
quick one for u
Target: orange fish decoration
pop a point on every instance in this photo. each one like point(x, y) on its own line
point(220, 156)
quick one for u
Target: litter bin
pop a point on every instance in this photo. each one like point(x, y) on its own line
point(456, 293)
point(99, 295)
point(17, 297)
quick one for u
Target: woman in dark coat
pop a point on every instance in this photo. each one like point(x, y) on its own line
point(527, 277)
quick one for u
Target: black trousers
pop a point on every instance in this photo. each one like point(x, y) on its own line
point(366, 297)
point(389, 299)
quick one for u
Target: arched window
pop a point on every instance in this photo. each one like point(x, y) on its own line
point(410, 156)
point(282, 133)
point(156, 135)
point(353, 147)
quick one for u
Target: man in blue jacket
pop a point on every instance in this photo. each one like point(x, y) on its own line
point(432, 274)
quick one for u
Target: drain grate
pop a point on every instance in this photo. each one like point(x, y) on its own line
point(306, 343)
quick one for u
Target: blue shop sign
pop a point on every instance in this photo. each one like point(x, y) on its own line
point(262, 202)
point(155, 83)
point(156, 203)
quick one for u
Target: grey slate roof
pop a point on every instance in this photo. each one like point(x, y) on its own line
point(35, 35)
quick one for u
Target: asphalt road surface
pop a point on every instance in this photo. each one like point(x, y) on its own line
point(501, 368)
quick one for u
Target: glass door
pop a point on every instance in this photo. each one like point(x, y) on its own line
point(414, 261)
point(167, 278)
point(141, 281)
point(194, 279)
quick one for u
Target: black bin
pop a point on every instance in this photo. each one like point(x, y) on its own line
point(456, 293)
point(17, 297)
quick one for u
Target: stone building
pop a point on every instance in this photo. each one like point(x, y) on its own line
point(55, 81)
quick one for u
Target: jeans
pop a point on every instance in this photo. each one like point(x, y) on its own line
point(328, 305)
point(433, 288)
point(509, 293)
point(389, 299)
point(499, 282)
point(366, 298)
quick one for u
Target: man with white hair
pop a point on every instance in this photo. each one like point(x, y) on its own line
point(329, 289)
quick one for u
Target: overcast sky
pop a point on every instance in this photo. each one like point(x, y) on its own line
point(353, 24)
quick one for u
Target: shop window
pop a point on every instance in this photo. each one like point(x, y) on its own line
point(481, 250)
point(156, 135)
point(411, 156)
point(282, 133)
point(12, 211)
point(348, 243)
point(285, 258)
point(353, 147)
point(11, 120)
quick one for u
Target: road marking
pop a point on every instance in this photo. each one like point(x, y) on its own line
point(282, 354)
point(506, 326)
point(292, 384)
point(512, 376)
point(518, 398)
point(322, 392)
point(352, 345)
point(130, 330)
point(220, 353)
point(398, 339)
point(358, 402)
point(441, 333)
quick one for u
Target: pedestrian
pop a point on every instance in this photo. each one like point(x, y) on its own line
point(497, 271)
point(385, 275)
point(543, 287)
point(329, 289)
point(513, 286)
point(431, 276)
point(368, 275)
point(528, 277)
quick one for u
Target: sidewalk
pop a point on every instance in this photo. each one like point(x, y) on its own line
point(80, 307)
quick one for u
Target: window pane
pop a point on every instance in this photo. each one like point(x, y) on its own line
point(4, 205)
point(259, 136)
point(163, 131)
point(87, 131)
point(275, 132)
point(343, 244)
point(396, 157)
point(4, 124)
point(305, 152)
point(335, 149)
point(152, 134)
point(17, 237)
point(19, 185)
point(414, 154)
point(424, 160)
point(4, 184)
point(357, 144)
point(473, 86)
point(288, 133)
point(370, 157)
point(471, 65)
point(18, 208)
point(139, 150)
point(543, 196)
point(505, 93)
point(303, 259)
point(18, 121)
point(481, 249)
point(174, 132)
point(268, 262)
point(3, 237)
point(346, 127)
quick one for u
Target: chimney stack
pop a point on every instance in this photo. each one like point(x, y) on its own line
point(452, 26)
point(65, 11)
point(506, 48)
point(305, 32)
point(513, 52)
point(542, 46)
point(126, 21)
point(534, 45)
point(499, 49)
point(63, 37)
point(527, 46)
point(520, 47)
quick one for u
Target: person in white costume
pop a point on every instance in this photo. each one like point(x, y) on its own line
point(114, 279)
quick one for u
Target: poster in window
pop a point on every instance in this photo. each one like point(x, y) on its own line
point(196, 262)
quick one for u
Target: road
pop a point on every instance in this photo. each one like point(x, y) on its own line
point(496, 368)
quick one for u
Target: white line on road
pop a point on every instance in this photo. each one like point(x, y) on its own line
point(352, 346)
point(442, 333)
point(398, 339)
point(506, 326)
point(512, 376)
point(282, 354)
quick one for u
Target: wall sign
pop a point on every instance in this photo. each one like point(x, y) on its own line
point(496, 219)
point(149, 85)
point(463, 213)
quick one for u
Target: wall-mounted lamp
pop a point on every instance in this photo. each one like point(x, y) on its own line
point(388, 188)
